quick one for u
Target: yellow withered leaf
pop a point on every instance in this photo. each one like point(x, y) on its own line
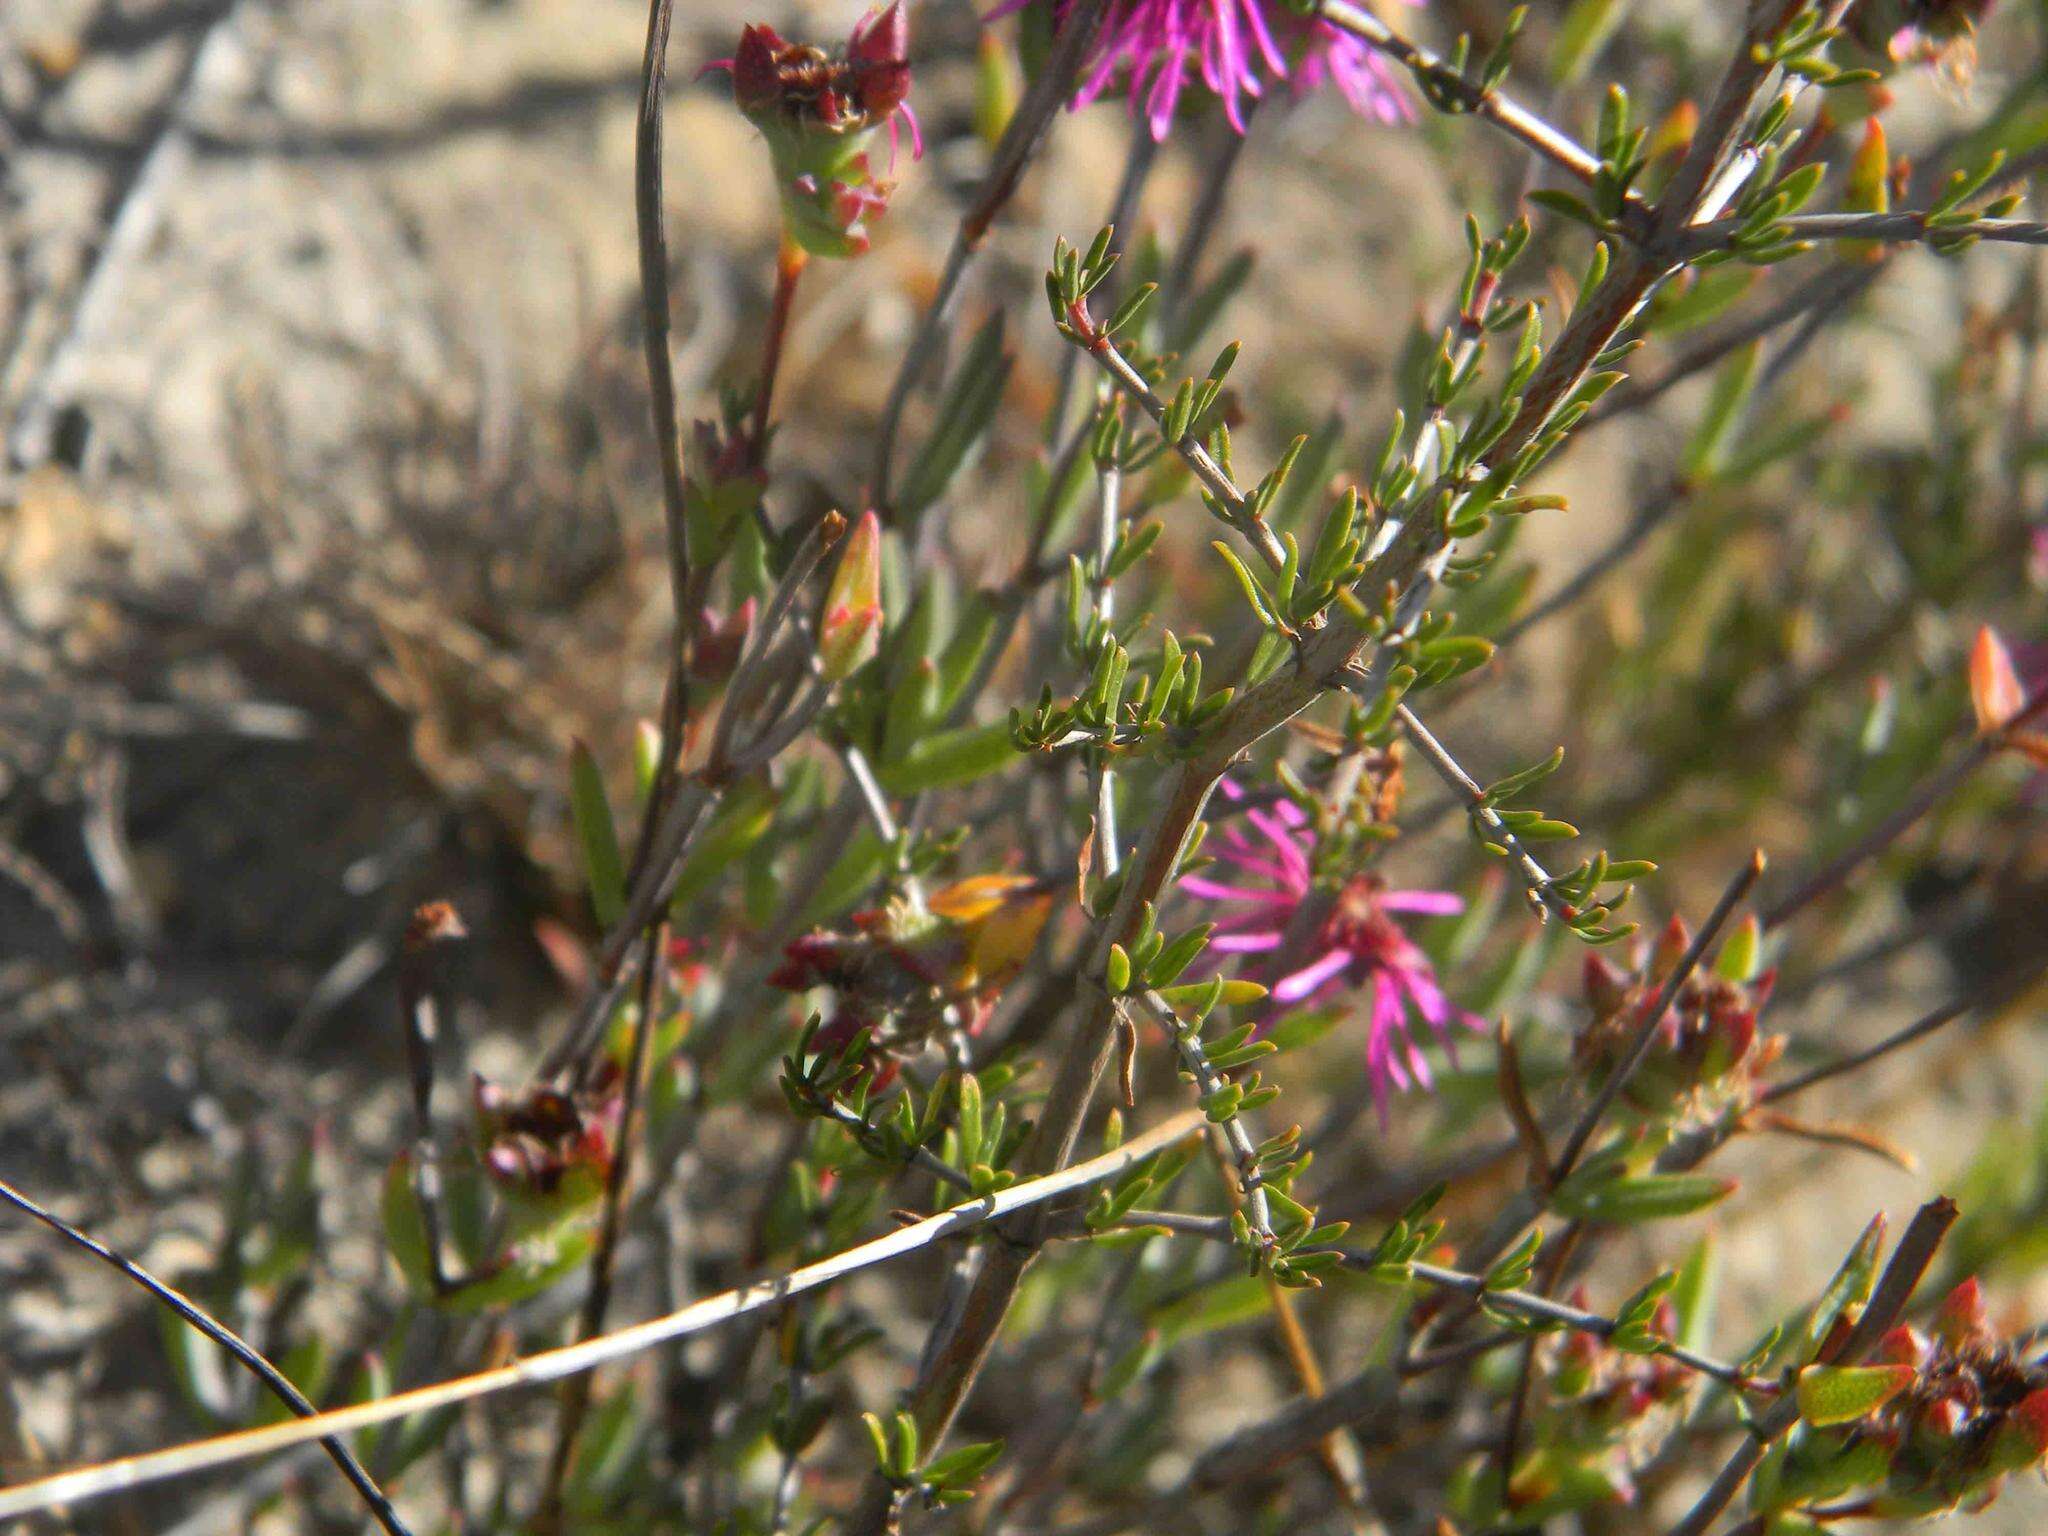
point(1004, 939)
point(969, 900)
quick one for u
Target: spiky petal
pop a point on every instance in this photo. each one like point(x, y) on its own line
point(1155, 51)
point(1355, 941)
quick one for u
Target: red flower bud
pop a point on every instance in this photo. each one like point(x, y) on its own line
point(1761, 989)
point(1606, 987)
point(2032, 1418)
point(717, 642)
point(1730, 1034)
point(1902, 1346)
point(1945, 1418)
point(1960, 1318)
point(536, 1140)
point(849, 630)
point(879, 52)
point(812, 960)
point(1672, 944)
point(756, 78)
point(2022, 1438)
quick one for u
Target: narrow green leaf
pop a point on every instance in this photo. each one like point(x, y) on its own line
point(597, 835)
point(1645, 1197)
point(1838, 1394)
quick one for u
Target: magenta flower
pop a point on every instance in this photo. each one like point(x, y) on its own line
point(1355, 943)
point(1155, 49)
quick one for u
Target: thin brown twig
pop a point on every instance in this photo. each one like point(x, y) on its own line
point(649, 188)
point(85, 1483)
point(1537, 883)
point(1894, 1289)
point(244, 1353)
point(1521, 1114)
point(1851, 1138)
point(1027, 126)
point(1406, 568)
point(432, 927)
point(650, 220)
point(1237, 508)
point(1493, 106)
point(1935, 789)
point(1653, 1017)
point(604, 1258)
point(790, 260)
point(1998, 996)
point(1905, 226)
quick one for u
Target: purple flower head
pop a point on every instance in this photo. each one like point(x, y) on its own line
point(1155, 49)
point(1354, 940)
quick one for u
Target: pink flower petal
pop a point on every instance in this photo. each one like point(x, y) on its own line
point(1292, 989)
point(1283, 843)
point(1253, 864)
point(1382, 1018)
point(1427, 903)
point(1196, 885)
point(1244, 943)
point(1430, 1001)
point(1396, 1072)
point(1419, 1065)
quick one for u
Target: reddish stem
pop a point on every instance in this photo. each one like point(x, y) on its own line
point(790, 260)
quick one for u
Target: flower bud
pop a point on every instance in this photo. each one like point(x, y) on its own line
point(716, 642)
point(545, 1144)
point(1960, 1319)
point(756, 74)
point(1902, 1346)
point(1606, 987)
point(1730, 1032)
point(1996, 693)
point(879, 53)
point(819, 115)
point(1671, 946)
point(1869, 185)
point(814, 960)
point(849, 630)
point(2022, 1437)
